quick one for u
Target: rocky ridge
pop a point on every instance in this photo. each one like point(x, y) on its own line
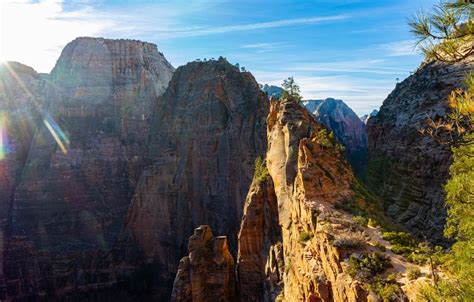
point(406, 168)
point(207, 130)
point(365, 118)
point(306, 177)
point(298, 152)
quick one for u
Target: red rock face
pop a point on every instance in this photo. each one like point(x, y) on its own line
point(406, 168)
point(260, 258)
point(19, 118)
point(208, 273)
point(207, 130)
point(72, 196)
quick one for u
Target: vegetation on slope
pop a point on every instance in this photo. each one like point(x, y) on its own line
point(447, 35)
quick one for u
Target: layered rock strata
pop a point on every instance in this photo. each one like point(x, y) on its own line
point(310, 176)
point(208, 273)
point(20, 112)
point(83, 163)
point(207, 130)
point(406, 168)
point(260, 255)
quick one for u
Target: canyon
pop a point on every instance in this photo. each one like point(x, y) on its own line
point(407, 169)
point(123, 178)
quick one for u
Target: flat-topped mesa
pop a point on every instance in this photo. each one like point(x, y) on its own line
point(207, 274)
point(126, 74)
point(207, 130)
point(84, 161)
point(406, 168)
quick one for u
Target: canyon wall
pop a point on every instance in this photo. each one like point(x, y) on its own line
point(206, 132)
point(83, 163)
point(20, 108)
point(406, 168)
point(286, 241)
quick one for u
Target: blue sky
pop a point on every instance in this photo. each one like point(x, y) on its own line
point(348, 49)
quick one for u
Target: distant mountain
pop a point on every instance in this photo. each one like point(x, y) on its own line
point(365, 118)
point(272, 90)
point(348, 129)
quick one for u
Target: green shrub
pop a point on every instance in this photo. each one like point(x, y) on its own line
point(367, 266)
point(360, 220)
point(417, 258)
point(402, 243)
point(372, 223)
point(305, 236)
point(380, 246)
point(326, 138)
point(400, 238)
point(387, 289)
point(402, 250)
point(413, 273)
point(261, 171)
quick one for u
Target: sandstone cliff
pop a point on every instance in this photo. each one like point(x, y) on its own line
point(348, 129)
point(260, 258)
point(83, 163)
point(207, 274)
point(206, 132)
point(407, 169)
point(20, 109)
point(294, 243)
point(310, 176)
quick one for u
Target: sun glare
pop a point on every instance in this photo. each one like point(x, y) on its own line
point(3, 136)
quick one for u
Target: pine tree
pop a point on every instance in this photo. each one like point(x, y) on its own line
point(447, 34)
point(290, 88)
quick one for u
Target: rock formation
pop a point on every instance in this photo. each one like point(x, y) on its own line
point(347, 128)
point(208, 273)
point(20, 112)
point(83, 163)
point(272, 91)
point(260, 258)
point(365, 118)
point(310, 175)
point(406, 168)
point(207, 130)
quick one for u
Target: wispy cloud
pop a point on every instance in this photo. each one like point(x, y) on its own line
point(264, 47)
point(212, 30)
point(399, 48)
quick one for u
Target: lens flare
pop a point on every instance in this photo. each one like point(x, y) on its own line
point(3, 136)
point(58, 134)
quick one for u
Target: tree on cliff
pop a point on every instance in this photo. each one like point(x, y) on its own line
point(290, 88)
point(447, 35)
